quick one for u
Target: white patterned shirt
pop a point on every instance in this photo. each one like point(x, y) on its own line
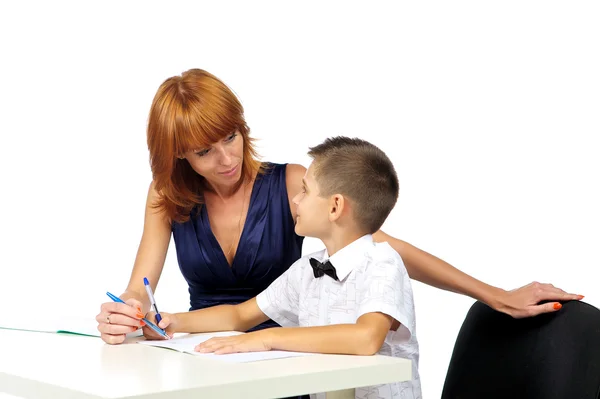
point(372, 278)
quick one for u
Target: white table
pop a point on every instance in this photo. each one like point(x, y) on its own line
point(45, 365)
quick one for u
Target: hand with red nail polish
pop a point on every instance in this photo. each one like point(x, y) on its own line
point(527, 300)
point(116, 320)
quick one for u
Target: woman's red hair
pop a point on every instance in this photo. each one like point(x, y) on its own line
point(190, 112)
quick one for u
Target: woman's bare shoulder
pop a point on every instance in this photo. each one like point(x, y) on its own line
point(293, 182)
point(152, 205)
point(294, 174)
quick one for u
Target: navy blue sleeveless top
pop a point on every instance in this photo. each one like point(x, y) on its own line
point(268, 246)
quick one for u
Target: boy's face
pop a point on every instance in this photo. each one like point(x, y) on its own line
point(312, 211)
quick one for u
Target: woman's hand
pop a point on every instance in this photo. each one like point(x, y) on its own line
point(115, 320)
point(168, 323)
point(524, 302)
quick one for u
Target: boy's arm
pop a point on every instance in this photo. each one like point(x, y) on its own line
point(363, 338)
point(279, 299)
point(240, 317)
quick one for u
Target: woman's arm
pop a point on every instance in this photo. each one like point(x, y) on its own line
point(115, 320)
point(151, 254)
point(428, 269)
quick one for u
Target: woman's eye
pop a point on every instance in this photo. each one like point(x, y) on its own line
point(230, 138)
point(201, 153)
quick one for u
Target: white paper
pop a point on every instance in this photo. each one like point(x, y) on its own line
point(187, 343)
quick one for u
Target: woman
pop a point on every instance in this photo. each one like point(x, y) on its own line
point(232, 217)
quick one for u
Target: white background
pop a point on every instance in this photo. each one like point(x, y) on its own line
point(490, 113)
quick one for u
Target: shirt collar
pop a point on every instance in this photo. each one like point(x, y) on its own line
point(350, 257)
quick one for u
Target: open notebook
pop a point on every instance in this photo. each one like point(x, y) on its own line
point(187, 342)
point(61, 325)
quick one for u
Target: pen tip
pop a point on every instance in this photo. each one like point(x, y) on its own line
point(146, 281)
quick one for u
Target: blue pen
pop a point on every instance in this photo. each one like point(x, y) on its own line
point(152, 301)
point(148, 322)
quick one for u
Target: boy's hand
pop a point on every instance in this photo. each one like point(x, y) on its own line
point(168, 323)
point(251, 342)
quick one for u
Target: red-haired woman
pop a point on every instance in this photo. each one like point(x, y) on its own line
point(232, 217)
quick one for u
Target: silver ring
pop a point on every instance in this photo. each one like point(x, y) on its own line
point(108, 318)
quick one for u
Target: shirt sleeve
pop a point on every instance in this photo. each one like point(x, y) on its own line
point(279, 301)
point(386, 289)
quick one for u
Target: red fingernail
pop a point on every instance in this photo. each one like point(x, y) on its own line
point(142, 323)
point(140, 315)
point(580, 297)
point(557, 306)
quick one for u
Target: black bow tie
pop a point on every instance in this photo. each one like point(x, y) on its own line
point(319, 269)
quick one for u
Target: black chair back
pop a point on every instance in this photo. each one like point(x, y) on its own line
point(551, 356)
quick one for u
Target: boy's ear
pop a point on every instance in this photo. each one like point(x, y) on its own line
point(337, 203)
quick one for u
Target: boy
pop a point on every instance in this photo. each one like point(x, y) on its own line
point(354, 297)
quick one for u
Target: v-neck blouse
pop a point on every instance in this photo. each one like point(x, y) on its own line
point(268, 246)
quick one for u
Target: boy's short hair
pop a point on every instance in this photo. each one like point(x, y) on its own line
point(359, 171)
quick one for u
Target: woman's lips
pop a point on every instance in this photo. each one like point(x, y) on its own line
point(229, 172)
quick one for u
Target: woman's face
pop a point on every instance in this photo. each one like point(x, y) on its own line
point(220, 163)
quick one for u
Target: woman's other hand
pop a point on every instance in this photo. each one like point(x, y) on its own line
point(168, 323)
point(525, 301)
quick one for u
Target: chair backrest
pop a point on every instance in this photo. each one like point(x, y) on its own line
point(551, 356)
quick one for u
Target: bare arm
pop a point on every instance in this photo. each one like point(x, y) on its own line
point(117, 319)
point(240, 317)
point(365, 337)
point(152, 252)
point(433, 271)
point(430, 270)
